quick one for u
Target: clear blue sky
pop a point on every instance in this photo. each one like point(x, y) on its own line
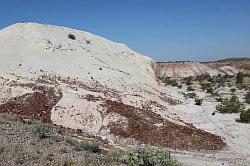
point(163, 29)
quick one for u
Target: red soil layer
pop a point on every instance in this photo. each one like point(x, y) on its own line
point(141, 123)
point(34, 105)
point(141, 127)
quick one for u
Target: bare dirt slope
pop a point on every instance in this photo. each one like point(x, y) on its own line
point(182, 69)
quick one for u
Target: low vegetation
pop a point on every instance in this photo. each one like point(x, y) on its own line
point(18, 148)
point(230, 105)
point(190, 88)
point(247, 98)
point(239, 78)
point(91, 146)
point(40, 130)
point(232, 90)
point(188, 80)
point(169, 81)
point(149, 157)
point(179, 86)
point(198, 101)
point(71, 36)
point(245, 115)
point(202, 77)
point(189, 95)
point(206, 86)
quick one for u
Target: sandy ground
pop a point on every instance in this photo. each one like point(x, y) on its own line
point(235, 134)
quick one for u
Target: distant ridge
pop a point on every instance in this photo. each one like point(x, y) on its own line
point(230, 59)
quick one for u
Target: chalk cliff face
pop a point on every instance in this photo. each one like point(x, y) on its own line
point(77, 66)
point(82, 81)
point(185, 69)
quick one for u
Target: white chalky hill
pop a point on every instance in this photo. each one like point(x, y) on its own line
point(86, 64)
point(82, 81)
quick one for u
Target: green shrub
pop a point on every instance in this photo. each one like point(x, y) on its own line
point(219, 99)
point(202, 77)
point(239, 78)
point(230, 105)
point(245, 115)
point(188, 80)
point(242, 86)
point(210, 90)
point(114, 155)
point(233, 90)
point(189, 95)
point(91, 146)
point(71, 36)
point(247, 98)
point(179, 86)
point(69, 162)
point(198, 101)
point(149, 157)
point(220, 80)
point(190, 88)
point(205, 86)
point(211, 79)
point(87, 41)
point(40, 130)
point(169, 81)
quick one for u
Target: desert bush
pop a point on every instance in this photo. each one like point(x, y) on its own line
point(149, 157)
point(247, 98)
point(198, 101)
point(91, 146)
point(227, 76)
point(71, 36)
point(169, 81)
point(202, 77)
point(220, 80)
point(87, 41)
point(239, 78)
point(216, 93)
point(173, 83)
point(205, 86)
point(219, 99)
point(230, 105)
point(69, 162)
point(242, 86)
point(188, 80)
point(221, 85)
point(245, 115)
point(189, 95)
point(114, 155)
point(233, 90)
point(190, 88)
point(210, 90)
point(40, 130)
point(211, 79)
point(179, 86)
point(1, 149)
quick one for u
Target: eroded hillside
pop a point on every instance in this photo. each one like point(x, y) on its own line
point(80, 81)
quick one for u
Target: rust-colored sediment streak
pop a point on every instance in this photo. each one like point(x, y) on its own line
point(33, 105)
point(141, 123)
point(141, 127)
